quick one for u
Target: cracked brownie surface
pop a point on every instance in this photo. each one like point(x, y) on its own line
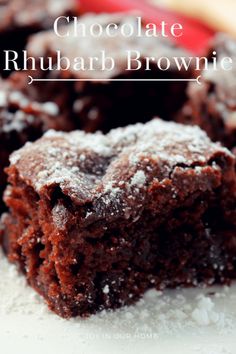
point(95, 220)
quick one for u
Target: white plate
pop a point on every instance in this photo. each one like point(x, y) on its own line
point(192, 321)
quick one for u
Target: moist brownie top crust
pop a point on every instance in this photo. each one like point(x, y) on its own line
point(114, 173)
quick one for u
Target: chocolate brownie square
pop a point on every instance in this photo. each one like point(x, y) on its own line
point(21, 18)
point(212, 105)
point(22, 120)
point(106, 105)
point(95, 220)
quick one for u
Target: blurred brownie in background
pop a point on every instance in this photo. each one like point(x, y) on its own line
point(106, 105)
point(212, 105)
point(22, 120)
point(21, 18)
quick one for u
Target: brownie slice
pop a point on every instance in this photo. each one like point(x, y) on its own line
point(95, 220)
point(21, 18)
point(99, 105)
point(22, 120)
point(212, 105)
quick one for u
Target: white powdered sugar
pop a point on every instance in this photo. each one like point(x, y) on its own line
point(16, 297)
point(138, 179)
point(113, 191)
point(106, 289)
point(26, 113)
point(157, 314)
point(156, 319)
point(204, 313)
point(173, 313)
point(121, 162)
point(50, 108)
point(60, 216)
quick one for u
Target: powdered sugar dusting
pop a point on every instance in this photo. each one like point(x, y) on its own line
point(50, 108)
point(204, 313)
point(174, 313)
point(56, 158)
point(16, 296)
point(106, 289)
point(138, 179)
point(157, 316)
point(18, 112)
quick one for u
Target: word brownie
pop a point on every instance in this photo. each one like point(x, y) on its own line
point(95, 219)
point(93, 103)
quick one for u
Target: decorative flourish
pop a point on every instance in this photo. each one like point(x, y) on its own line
point(31, 80)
